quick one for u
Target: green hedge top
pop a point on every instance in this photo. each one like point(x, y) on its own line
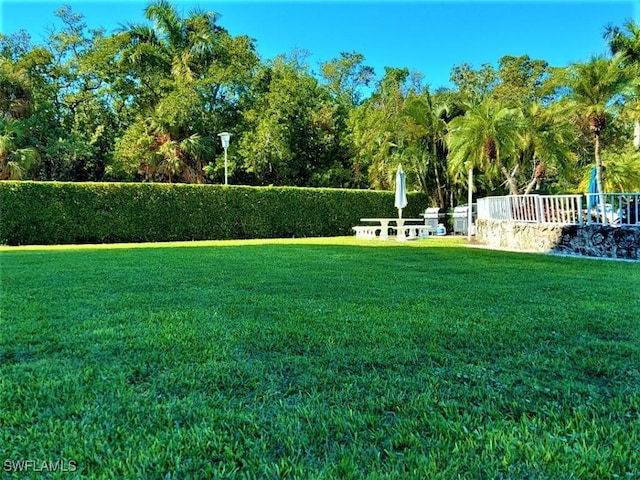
point(64, 213)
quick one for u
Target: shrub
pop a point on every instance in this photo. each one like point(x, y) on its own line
point(59, 212)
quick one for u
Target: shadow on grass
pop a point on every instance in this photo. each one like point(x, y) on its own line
point(323, 358)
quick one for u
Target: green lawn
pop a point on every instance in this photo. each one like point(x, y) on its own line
point(329, 358)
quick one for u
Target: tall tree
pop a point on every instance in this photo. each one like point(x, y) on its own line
point(347, 77)
point(16, 103)
point(520, 81)
point(16, 97)
point(548, 143)
point(626, 42)
point(423, 117)
point(189, 75)
point(293, 129)
point(473, 85)
point(171, 49)
point(487, 137)
point(592, 88)
point(378, 135)
point(66, 116)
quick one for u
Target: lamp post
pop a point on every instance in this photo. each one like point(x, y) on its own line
point(224, 137)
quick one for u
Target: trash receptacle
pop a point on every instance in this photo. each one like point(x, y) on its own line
point(461, 217)
point(433, 217)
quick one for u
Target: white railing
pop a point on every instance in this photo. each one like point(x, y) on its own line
point(620, 209)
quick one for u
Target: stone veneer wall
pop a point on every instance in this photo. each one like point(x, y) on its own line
point(587, 240)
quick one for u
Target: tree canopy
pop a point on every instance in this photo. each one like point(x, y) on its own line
point(146, 103)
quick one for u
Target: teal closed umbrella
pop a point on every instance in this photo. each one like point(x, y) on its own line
point(592, 198)
point(401, 191)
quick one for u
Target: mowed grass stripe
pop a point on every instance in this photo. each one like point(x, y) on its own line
point(320, 359)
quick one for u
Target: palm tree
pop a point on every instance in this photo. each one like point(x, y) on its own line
point(423, 121)
point(162, 156)
point(170, 52)
point(548, 138)
point(623, 171)
point(15, 90)
point(377, 133)
point(484, 137)
point(182, 47)
point(593, 87)
point(627, 44)
point(623, 42)
point(171, 60)
point(15, 161)
point(488, 136)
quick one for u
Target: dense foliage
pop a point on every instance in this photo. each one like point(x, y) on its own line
point(145, 104)
point(67, 212)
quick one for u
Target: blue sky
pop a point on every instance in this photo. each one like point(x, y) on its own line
point(427, 36)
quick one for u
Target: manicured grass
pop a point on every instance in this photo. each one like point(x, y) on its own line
point(319, 359)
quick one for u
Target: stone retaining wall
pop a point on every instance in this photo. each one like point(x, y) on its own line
point(587, 240)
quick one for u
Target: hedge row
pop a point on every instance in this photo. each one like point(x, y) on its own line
point(63, 213)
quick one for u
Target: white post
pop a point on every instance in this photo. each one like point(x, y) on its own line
point(224, 138)
point(226, 171)
point(470, 205)
point(578, 200)
point(539, 208)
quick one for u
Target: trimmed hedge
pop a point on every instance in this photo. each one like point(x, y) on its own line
point(64, 213)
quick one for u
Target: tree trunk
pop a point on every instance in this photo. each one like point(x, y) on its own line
point(441, 199)
point(538, 173)
point(636, 133)
point(530, 186)
point(511, 180)
point(599, 169)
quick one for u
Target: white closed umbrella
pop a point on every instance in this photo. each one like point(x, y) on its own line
point(401, 191)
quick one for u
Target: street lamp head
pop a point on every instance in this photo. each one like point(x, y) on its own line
point(224, 137)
